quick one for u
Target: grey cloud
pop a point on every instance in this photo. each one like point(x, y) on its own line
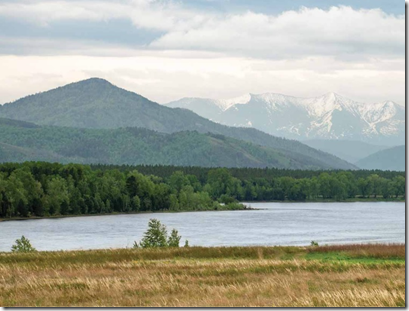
point(340, 32)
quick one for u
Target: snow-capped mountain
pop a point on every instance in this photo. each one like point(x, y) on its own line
point(209, 108)
point(330, 116)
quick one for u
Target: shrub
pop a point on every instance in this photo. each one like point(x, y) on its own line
point(226, 199)
point(174, 239)
point(22, 245)
point(155, 236)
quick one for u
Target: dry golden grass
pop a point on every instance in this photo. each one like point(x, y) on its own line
point(253, 276)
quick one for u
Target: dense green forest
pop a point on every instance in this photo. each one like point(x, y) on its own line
point(244, 173)
point(97, 104)
point(48, 189)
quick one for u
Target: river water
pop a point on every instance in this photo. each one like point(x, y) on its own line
point(272, 224)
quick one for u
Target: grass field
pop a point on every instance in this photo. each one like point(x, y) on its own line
point(347, 275)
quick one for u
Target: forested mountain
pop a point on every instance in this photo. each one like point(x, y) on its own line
point(95, 103)
point(348, 150)
point(392, 159)
point(330, 116)
point(23, 141)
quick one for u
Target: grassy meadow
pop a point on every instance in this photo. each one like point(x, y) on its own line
point(324, 276)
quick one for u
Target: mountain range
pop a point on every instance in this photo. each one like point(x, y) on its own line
point(330, 116)
point(93, 121)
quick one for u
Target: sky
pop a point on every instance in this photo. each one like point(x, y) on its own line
point(168, 49)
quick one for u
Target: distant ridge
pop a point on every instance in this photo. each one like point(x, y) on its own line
point(392, 159)
point(349, 150)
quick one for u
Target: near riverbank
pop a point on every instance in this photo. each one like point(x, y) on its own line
point(328, 276)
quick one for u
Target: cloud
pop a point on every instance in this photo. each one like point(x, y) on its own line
point(164, 79)
point(307, 52)
point(47, 46)
point(23, 46)
point(339, 32)
point(150, 14)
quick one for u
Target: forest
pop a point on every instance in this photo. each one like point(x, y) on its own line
point(242, 173)
point(52, 189)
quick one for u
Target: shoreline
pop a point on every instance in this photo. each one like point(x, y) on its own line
point(350, 200)
point(247, 208)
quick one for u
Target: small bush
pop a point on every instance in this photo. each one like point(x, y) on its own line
point(313, 243)
point(174, 239)
point(22, 245)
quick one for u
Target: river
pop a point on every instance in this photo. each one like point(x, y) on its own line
point(272, 224)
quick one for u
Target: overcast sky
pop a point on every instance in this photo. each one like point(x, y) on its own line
point(165, 50)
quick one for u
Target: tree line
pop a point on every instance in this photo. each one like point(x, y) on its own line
point(245, 173)
point(48, 189)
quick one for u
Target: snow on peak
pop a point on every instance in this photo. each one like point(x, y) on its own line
point(331, 96)
point(273, 97)
point(389, 104)
point(225, 104)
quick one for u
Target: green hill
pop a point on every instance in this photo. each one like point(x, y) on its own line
point(392, 159)
point(349, 150)
point(97, 104)
point(21, 141)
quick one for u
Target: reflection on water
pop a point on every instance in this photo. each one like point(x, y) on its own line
point(273, 224)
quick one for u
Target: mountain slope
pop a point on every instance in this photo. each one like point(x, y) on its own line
point(330, 116)
point(21, 141)
point(392, 159)
point(95, 103)
point(349, 150)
